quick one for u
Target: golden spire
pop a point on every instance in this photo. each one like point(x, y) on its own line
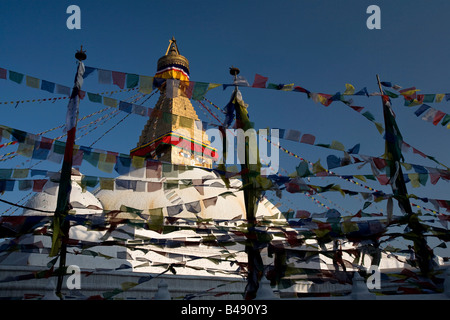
point(172, 59)
point(174, 117)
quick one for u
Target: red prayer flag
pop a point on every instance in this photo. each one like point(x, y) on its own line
point(383, 179)
point(358, 109)
point(260, 81)
point(2, 73)
point(438, 117)
point(119, 79)
point(308, 138)
point(38, 184)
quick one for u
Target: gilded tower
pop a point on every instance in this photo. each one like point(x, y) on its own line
point(174, 132)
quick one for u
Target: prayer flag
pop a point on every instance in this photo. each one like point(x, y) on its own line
point(72, 108)
point(333, 162)
point(118, 79)
point(357, 109)
point(210, 202)
point(38, 184)
point(445, 120)
point(125, 106)
point(110, 102)
point(362, 92)
point(32, 82)
point(20, 173)
point(174, 210)
point(438, 117)
point(429, 114)
point(145, 84)
point(409, 93)
point(25, 185)
point(172, 86)
point(260, 81)
point(60, 89)
point(300, 89)
point(88, 71)
point(241, 81)
point(48, 86)
point(292, 135)
point(93, 97)
point(132, 80)
point(187, 88)
point(200, 89)
point(421, 110)
point(106, 183)
point(193, 207)
point(439, 97)
point(138, 109)
point(104, 76)
point(337, 145)
point(349, 89)
point(3, 73)
point(429, 98)
point(308, 138)
point(16, 76)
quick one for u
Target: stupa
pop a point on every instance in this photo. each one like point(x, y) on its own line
point(129, 259)
point(179, 186)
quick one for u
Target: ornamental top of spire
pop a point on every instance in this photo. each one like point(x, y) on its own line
point(173, 64)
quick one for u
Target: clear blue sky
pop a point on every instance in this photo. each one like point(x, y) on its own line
point(319, 45)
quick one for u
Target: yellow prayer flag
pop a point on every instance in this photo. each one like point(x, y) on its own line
point(317, 167)
point(106, 183)
point(213, 86)
point(379, 127)
point(145, 84)
point(287, 87)
point(25, 150)
point(323, 100)
point(32, 82)
point(20, 173)
point(439, 97)
point(409, 92)
point(349, 89)
point(414, 177)
point(128, 285)
point(104, 163)
point(138, 162)
point(110, 102)
point(336, 145)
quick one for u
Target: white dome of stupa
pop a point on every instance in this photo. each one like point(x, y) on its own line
point(82, 201)
point(185, 194)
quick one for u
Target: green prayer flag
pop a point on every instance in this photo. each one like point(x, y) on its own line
point(369, 116)
point(445, 120)
point(94, 97)
point(156, 219)
point(428, 97)
point(16, 76)
point(390, 94)
point(200, 89)
point(89, 181)
point(132, 80)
